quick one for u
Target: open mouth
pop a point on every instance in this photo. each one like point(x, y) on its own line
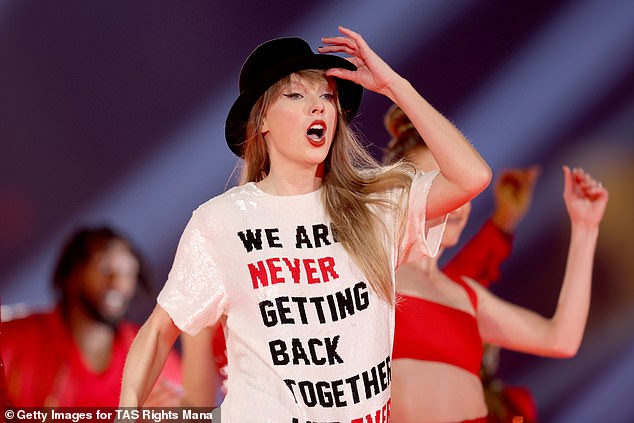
point(114, 299)
point(316, 133)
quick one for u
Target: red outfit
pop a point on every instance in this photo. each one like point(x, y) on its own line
point(44, 367)
point(453, 338)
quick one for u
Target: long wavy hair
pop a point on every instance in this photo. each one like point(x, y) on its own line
point(355, 187)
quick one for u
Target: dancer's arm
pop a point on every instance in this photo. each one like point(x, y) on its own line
point(520, 329)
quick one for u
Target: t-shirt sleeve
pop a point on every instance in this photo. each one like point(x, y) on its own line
point(194, 295)
point(422, 237)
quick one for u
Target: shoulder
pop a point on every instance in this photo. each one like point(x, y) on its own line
point(218, 212)
point(34, 331)
point(32, 322)
point(227, 198)
point(230, 201)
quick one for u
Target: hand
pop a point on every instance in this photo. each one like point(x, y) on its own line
point(165, 394)
point(372, 72)
point(513, 194)
point(584, 196)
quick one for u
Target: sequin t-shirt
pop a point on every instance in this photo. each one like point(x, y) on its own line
point(307, 338)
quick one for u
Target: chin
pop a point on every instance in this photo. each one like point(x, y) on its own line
point(112, 319)
point(317, 157)
point(450, 241)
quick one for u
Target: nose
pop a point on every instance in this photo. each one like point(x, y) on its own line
point(317, 106)
point(121, 281)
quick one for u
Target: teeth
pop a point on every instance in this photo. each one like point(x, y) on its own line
point(316, 131)
point(114, 299)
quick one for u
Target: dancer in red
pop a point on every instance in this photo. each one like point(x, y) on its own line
point(482, 256)
point(441, 323)
point(73, 356)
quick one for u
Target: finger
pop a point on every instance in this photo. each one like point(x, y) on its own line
point(342, 73)
point(354, 35)
point(585, 187)
point(533, 173)
point(596, 192)
point(358, 38)
point(339, 41)
point(347, 31)
point(578, 174)
point(336, 49)
point(568, 180)
point(590, 180)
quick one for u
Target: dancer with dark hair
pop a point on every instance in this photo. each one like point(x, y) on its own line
point(73, 356)
point(299, 259)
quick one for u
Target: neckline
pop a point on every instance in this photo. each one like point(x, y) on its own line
point(437, 304)
point(257, 189)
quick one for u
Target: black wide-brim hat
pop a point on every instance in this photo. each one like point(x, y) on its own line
point(272, 61)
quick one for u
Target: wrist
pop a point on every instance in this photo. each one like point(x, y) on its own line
point(397, 88)
point(585, 228)
point(504, 222)
point(128, 399)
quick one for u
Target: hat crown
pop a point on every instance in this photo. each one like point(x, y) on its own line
point(269, 55)
point(269, 63)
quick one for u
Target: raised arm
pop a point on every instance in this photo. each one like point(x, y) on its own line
point(464, 174)
point(516, 328)
point(147, 357)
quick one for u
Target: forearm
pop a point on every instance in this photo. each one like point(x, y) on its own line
point(146, 358)
point(458, 160)
point(568, 323)
point(200, 374)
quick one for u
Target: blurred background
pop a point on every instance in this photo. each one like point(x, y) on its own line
point(113, 112)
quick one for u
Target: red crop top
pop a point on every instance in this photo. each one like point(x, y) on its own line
point(429, 331)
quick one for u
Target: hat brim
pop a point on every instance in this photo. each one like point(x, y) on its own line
point(349, 93)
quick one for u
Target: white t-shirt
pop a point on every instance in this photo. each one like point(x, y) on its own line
point(307, 338)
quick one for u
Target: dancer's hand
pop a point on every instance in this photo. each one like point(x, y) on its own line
point(372, 72)
point(584, 196)
point(513, 194)
point(165, 394)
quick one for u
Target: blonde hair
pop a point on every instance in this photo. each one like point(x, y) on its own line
point(354, 185)
point(405, 137)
